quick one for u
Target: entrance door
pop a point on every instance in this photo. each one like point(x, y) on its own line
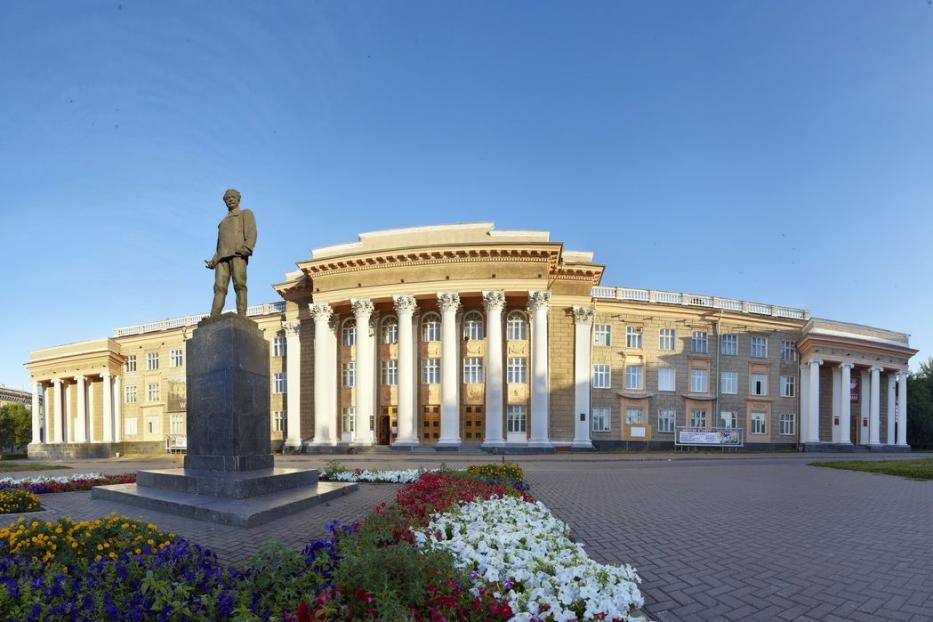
point(474, 424)
point(388, 425)
point(430, 424)
point(854, 421)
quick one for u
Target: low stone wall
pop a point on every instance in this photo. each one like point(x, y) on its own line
point(67, 451)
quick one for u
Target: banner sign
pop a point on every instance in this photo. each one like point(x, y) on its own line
point(710, 437)
point(854, 386)
point(176, 442)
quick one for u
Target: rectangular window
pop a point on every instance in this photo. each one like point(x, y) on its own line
point(348, 419)
point(279, 347)
point(516, 418)
point(154, 392)
point(667, 379)
point(130, 394)
point(788, 386)
point(178, 358)
point(633, 375)
point(699, 381)
point(601, 377)
point(666, 420)
point(600, 419)
point(348, 374)
point(758, 384)
point(390, 332)
point(279, 383)
point(699, 343)
point(633, 337)
point(348, 335)
point(431, 371)
point(602, 335)
point(473, 370)
point(279, 421)
point(516, 372)
point(758, 423)
point(516, 328)
point(130, 364)
point(634, 415)
point(728, 419)
point(177, 424)
point(697, 418)
point(130, 426)
point(152, 361)
point(729, 382)
point(760, 347)
point(729, 345)
point(666, 339)
point(390, 372)
point(789, 351)
point(788, 425)
point(431, 331)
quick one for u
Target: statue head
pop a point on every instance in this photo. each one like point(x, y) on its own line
point(232, 199)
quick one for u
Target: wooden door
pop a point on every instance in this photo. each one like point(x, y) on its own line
point(430, 424)
point(474, 423)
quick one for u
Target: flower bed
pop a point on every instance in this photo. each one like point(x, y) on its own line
point(42, 484)
point(382, 476)
point(15, 501)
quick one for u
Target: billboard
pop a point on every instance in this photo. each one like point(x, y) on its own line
point(709, 437)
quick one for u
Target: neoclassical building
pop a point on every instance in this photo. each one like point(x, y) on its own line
point(463, 335)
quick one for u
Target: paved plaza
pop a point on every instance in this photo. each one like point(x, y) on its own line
point(745, 537)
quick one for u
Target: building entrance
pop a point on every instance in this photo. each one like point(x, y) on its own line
point(474, 423)
point(387, 429)
point(430, 424)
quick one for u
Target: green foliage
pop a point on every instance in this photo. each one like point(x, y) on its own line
point(333, 467)
point(920, 407)
point(15, 426)
point(912, 469)
point(20, 456)
point(505, 472)
point(280, 576)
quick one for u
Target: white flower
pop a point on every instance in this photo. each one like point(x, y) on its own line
point(47, 479)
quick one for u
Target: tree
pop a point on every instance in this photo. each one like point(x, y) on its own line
point(15, 426)
point(920, 407)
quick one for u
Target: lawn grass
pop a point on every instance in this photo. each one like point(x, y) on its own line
point(30, 466)
point(911, 469)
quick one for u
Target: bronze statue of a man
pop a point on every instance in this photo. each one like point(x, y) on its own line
point(236, 238)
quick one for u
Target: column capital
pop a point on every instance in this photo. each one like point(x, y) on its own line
point(448, 301)
point(80, 378)
point(321, 311)
point(583, 315)
point(291, 327)
point(362, 308)
point(876, 368)
point(849, 365)
point(813, 362)
point(56, 380)
point(494, 300)
point(539, 299)
point(404, 304)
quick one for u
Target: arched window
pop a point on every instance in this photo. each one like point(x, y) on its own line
point(516, 326)
point(473, 326)
point(431, 327)
point(390, 330)
point(348, 334)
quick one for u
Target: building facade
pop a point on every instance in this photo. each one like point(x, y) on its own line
point(465, 335)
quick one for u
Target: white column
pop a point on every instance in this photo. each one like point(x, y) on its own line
point(892, 405)
point(293, 385)
point(813, 423)
point(405, 308)
point(804, 402)
point(845, 411)
point(539, 303)
point(108, 407)
point(874, 416)
point(449, 303)
point(864, 414)
point(902, 409)
point(36, 421)
point(59, 415)
point(117, 410)
point(365, 366)
point(495, 303)
point(582, 342)
point(837, 404)
point(325, 415)
point(81, 419)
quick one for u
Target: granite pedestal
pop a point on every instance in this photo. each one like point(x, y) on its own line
point(229, 475)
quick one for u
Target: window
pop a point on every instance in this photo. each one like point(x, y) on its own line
point(348, 334)
point(152, 361)
point(788, 425)
point(516, 418)
point(130, 364)
point(759, 384)
point(633, 337)
point(130, 391)
point(634, 415)
point(431, 371)
point(602, 335)
point(431, 329)
point(758, 423)
point(177, 424)
point(666, 379)
point(633, 374)
point(666, 420)
point(129, 426)
point(178, 358)
point(729, 345)
point(729, 382)
point(348, 375)
point(699, 343)
point(473, 370)
point(390, 372)
point(473, 326)
point(348, 419)
point(516, 328)
point(697, 418)
point(600, 419)
point(279, 347)
point(666, 338)
point(279, 383)
point(789, 351)
point(390, 331)
point(279, 421)
point(154, 392)
point(516, 372)
point(601, 378)
point(699, 381)
point(760, 347)
point(788, 386)
point(728, 419)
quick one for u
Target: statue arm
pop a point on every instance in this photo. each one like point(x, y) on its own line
point(249, 232)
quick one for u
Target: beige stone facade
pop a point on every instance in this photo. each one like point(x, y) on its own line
point(463, 334)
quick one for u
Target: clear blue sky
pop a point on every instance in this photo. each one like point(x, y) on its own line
point(779, 151)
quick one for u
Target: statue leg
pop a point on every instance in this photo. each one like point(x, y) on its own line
point(221, 282)
point(238, 264)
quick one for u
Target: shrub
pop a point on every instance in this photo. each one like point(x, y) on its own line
point(505, 472)
point(15, 501)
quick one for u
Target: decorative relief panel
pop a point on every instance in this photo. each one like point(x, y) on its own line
point(429, 394)
point(473, 394)
point(388, 395)
point(517, 348)
point(475, 348)
point(432, 349)
point(518, 393)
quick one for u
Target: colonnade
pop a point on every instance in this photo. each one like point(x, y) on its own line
point(63, 426)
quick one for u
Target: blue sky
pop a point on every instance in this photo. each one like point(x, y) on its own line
point(773, 151)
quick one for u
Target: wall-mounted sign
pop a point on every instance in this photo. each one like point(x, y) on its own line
point(710, 437)
point(855, 385)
